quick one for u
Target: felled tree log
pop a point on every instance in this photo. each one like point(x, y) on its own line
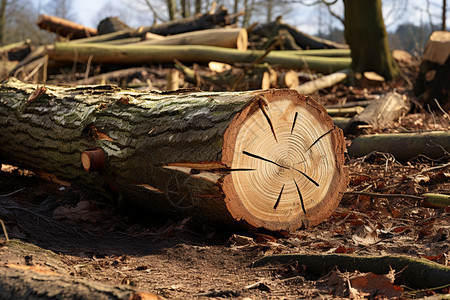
point(218, 18)
point(312, 86)
point(130, 54)
point(111, 24)
point(388, 109)
point(318, 52)
point(16, 51)
point(303, 40)
point(415, 273)
point(287, 79)
point(220, 37)
point(404, 146)
point(65, 27)
point(34, 282)
point(269, 159)
point(434, 75)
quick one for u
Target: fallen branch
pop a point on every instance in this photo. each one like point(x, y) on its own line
point(437, 200)
point(129, 54)
point(322, 82)
point(345, 111)
point(415, 273)
point(404, 146)
point(387, 196)
point(433, 200)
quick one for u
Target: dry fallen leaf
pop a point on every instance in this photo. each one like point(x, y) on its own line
point(376, 285)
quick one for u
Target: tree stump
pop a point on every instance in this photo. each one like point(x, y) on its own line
point(270, 159)
point(434, 75)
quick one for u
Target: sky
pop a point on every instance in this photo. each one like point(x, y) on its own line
point(305, 18)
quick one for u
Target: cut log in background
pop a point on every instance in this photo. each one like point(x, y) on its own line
point(65, 27)
point(432, 83)
point(220, 37)
point(269, 159)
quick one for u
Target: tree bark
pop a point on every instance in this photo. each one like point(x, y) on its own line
point(269, 159)
point(366, 34)
point(404, 146)
point(65, 27)
point(432, 83)
point(129, 54)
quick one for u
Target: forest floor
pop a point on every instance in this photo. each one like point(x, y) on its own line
point(184, 259)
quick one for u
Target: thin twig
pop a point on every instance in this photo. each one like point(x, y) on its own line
point(4, 230)
point(432, 169)
point(12, 193)
point(88, 67)
point(389, 196)
point(440, 107)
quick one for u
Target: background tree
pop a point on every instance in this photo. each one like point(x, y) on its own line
point(61, 8)
point(366, 34)
point(2, 21)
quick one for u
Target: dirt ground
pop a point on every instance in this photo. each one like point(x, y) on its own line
point(65, 230)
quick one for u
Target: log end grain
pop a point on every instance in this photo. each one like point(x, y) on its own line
point(288, 159)
point(93, 160)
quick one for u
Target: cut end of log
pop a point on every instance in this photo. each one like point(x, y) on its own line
point(437, 49)
point(292, 157)
point(93, 160)
point(242, 40)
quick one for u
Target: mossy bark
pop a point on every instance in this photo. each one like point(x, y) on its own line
point(366, 34)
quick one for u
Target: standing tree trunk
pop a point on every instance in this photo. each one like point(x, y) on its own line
point(2, 21)
point(198, 6)
point(269, 159)
point(444, 15)
point(172, 9)
point(366, 34)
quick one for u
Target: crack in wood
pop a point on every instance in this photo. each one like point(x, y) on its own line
point(293, 123)
point(318, 139)
point(309, 178)
point(268, 119)
point(262, 158)
point(300, 195)
point(219, 170)
point(279, 197)
point(281, 166)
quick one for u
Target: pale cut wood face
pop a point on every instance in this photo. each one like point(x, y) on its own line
point(285, 165)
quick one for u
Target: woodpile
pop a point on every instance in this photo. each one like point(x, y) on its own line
point(88, 55)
